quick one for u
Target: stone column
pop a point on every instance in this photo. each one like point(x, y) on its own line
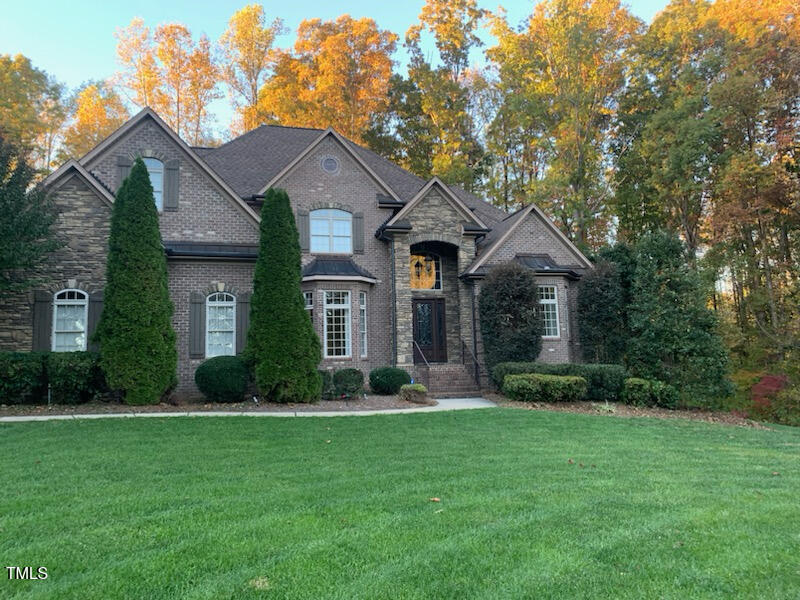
point(403, 318)
point(466, 254)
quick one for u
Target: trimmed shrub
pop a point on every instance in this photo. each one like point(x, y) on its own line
point(74, 377)
point(328, 391)
point(348, 383)
point(137, 342)
point(23, 378)
point(604, 382)
point(601, 314)
point(281, 342)
point(646, 392)
point(510, 315)
point(223, 378)
point(388, 380)
point(413, 392)
point(533, 387)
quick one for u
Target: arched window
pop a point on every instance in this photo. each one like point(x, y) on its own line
point(220, 324)
point(155, 168)
point(426, 272)
point(70, 317)
point(331, 231)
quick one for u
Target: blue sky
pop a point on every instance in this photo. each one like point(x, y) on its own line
point(74, 41)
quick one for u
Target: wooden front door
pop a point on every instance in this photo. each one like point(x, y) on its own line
point(429, 331)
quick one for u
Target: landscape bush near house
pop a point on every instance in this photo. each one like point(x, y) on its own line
point(510, 315)
point(602, 322)
point(413, 392)
point(74, 377)
point(23, 378)
point(534, 387)
point(644, 392)
point(604, 382)
point(137, 342)
point(348, 383)
point(281, 343)
point(328, 391)
point(388, 380)
point(223, 379)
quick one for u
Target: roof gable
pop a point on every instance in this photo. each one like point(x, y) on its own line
point(73, 168)
point(447, 194)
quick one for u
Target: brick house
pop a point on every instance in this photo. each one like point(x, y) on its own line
point(392, 264)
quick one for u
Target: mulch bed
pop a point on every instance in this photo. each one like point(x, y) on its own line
point(370, 402)
point(624, 410)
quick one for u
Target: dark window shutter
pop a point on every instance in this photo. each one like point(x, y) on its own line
point(42, 320)
point(197, 325)
point(95, 310)
point(172, 182)
point(304, 229)
point(242, 320)
point(124, 164)
point(358, 233)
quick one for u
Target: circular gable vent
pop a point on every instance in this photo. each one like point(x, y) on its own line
point(330, 164)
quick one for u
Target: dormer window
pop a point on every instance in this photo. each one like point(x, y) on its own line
point(331, 231)
point(155, 169)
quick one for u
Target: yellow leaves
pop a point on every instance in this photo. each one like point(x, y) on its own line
point(338, 74)
point(98, 112)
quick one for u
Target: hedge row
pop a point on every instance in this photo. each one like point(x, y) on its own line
point(646, 392)
point(72, 377)
point(605, 382)
point(534, 387)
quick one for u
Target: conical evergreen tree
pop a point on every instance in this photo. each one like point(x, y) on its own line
point(281, 342)
point(137, 342)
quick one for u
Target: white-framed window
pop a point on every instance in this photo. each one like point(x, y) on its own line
point(331, 231)
point(362, 322)
point(337, 324)
point(548, 298)
point(70, 318)
point(155, 168)
point(308, 300)
point(220, 324)
point(426, 272)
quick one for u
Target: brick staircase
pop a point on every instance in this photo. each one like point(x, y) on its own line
point(447, 380)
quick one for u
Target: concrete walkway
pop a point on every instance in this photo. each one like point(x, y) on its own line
point(443, 405)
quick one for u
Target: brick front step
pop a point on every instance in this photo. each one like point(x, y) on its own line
point(447, 380)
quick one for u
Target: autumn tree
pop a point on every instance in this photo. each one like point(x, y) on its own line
point(96, 111)
point(32, 109)
point(246, 47)
point(171, 73)
point(569, 66)
point(337, 74)
point(448, 89)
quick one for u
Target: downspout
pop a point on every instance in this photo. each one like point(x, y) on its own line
point(475, 337)
point(394, 307)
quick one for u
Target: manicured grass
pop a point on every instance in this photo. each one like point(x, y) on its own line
point(268, 508)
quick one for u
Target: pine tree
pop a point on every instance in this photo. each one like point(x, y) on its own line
point(674, 334)
point(137, 342)
point(281, 342)
point(511, 318)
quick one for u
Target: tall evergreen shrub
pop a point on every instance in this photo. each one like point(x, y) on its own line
point(674, 335)
point(137, 342)
point(281, 343)
point(511, 319)
point(602, 323)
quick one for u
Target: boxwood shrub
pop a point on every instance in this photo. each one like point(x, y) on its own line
point(605, 382)
point(223, 379)
point(74, 377)
point(23, 378)
point(647, 392)
point(348, 383)
point(535, 387)
point(388, 380)
point(413, 392)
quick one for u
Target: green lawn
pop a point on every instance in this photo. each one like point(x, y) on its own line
point(267, 508)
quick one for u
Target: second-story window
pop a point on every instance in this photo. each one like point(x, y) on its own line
point(331, 231)
point(155, 168)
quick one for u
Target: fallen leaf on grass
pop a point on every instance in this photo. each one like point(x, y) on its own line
point(570, 462)
point(327, 441)
point(259, 583)
point(436, 512)
point(435, 499)
point(775, 473)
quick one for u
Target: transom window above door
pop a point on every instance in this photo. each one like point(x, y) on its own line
point(331, 231)
point(155, 168)
point(426, 272)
